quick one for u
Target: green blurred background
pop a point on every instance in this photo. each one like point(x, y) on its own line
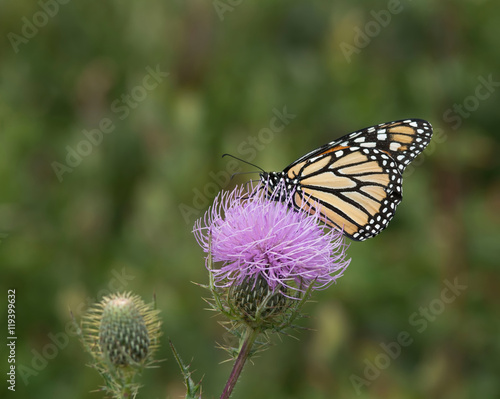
point(122, 217)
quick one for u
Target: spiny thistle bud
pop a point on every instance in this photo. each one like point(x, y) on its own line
point(121, 333)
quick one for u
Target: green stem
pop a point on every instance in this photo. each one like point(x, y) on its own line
point(245, 348)
point(126, 390)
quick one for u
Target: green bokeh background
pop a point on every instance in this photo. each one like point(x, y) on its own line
point(230, 64)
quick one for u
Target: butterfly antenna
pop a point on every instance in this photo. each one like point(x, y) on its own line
point(242, 160)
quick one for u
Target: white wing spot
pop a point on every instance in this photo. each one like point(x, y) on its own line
point(394, 146)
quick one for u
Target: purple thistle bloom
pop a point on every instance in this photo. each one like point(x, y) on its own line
point(253, 235)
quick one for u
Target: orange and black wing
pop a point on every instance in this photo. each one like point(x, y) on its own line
point(351, 188)
point(355, 182)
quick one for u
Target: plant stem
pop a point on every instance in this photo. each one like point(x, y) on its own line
point(245, 348)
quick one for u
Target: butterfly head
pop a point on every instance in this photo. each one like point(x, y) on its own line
point(274, 183)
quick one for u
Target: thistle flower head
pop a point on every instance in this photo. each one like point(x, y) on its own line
point(265, 258)
point(255, 236)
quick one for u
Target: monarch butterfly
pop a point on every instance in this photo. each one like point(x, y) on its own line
point(356, 179)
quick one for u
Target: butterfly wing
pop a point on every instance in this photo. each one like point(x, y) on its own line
point(402, 140)
point(357, 179)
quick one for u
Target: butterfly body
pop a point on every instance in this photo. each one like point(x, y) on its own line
point(355, 182)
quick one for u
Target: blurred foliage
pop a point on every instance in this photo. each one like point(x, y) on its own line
point(116, 221)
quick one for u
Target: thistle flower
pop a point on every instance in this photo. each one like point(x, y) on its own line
point(269, 259)
point(268, 256)
point(257, 237)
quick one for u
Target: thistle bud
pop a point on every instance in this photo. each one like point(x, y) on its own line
point(123, 335)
